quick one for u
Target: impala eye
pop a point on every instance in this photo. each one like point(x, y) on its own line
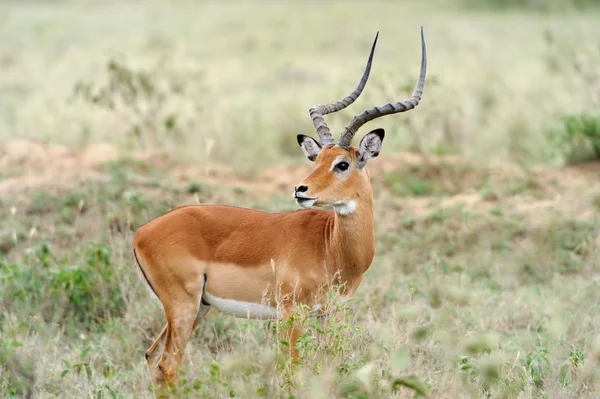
point(342, 166)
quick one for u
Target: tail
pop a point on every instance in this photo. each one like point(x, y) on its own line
point(143, 274)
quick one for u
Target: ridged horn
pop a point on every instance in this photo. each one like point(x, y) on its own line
point(389, 108)
point(317, 111)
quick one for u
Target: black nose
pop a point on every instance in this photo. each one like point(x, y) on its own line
point(301, 189)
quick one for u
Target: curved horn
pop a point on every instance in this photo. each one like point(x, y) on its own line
point(317, 111)
point(389, 108)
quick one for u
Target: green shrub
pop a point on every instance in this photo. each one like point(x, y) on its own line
point(579, 138)
point(142, 97)
point(75, 292)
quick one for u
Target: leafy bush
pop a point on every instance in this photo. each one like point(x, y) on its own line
point(140, 98)
point(82, 292)
point(579, 137)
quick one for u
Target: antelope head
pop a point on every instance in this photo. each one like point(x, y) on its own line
point(340, 178)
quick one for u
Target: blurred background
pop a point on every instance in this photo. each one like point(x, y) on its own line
point(485, 281)
point(238, 77)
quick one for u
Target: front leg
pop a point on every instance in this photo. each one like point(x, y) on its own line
point(290, 331)
point(293, 297)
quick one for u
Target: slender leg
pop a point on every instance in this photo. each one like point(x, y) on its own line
point(181, 322)
point(153, 355)
point(166, 354)
point(290, 332)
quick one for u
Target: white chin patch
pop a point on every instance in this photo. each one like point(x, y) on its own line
point(344, 208)
point(306, 203)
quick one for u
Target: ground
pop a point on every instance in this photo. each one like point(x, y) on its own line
point(485, 281)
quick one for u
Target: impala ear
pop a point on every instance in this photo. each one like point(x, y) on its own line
point(310, 147)
point(369, 147)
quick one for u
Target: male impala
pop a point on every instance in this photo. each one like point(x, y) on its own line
point(256, 264)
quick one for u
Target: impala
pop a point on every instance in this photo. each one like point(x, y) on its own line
point(261, 265)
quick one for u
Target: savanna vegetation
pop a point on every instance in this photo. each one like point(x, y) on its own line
point(486, 278)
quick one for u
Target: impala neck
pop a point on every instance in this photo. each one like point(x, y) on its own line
point(352, 238)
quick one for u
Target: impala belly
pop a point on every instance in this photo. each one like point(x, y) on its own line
point(246, 310)
point(241, 291)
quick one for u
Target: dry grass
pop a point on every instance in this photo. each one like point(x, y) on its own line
point(252, 69)
point(485, 281)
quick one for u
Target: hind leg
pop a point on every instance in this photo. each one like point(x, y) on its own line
point(166, 353)
point(180, 325)
point(153, 355)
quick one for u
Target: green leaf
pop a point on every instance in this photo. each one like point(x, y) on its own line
point(563, 375)
point(412, 382)
point(284, 342)
point(65, 372)
point(400, 359)
point(88, 371)
point(84, 354)
point(351, 390)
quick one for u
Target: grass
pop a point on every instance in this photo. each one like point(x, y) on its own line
point(485, 281)
point(458, 300)
point(233, 82)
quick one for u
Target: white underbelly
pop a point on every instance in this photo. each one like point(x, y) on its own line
point(246, 310)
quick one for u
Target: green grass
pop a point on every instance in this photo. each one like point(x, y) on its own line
point(486, 278)
point(457, 301)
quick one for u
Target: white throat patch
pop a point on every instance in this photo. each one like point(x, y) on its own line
point(345, 208)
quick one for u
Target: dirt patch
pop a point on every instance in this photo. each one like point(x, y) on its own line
point(28, 165)
point(32, 164)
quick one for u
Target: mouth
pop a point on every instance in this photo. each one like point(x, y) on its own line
point(305, 202)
